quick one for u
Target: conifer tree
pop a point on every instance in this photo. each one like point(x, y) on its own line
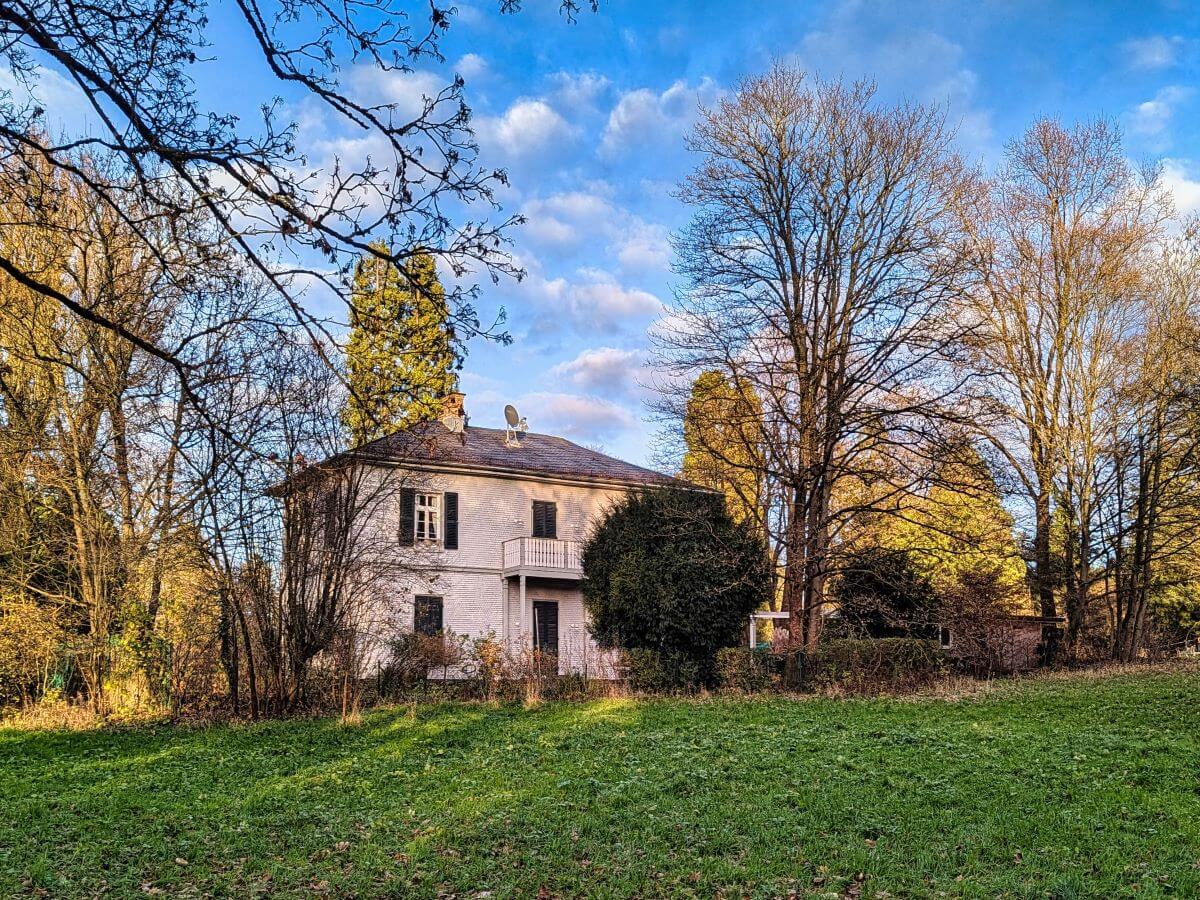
point(402, 356)
point(722, 429)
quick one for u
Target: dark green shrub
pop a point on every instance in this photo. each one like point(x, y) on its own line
point(660, 672)
point(880, 594)
point(871, 665)
point(748, 669)
point(669, 571)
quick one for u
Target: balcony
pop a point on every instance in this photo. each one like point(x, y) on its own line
point(543, 557)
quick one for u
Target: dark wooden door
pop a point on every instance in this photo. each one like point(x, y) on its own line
point(545, 626)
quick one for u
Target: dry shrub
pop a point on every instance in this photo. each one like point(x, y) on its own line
point(873, 666)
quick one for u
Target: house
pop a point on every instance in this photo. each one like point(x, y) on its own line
point(486, 527)
point(1009, 643)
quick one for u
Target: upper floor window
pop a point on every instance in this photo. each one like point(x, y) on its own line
point(427, 509)
point(545, 519)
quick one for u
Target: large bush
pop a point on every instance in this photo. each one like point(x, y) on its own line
point(748, 669)
point(669, 571)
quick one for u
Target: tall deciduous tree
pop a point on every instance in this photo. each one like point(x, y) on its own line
point(819, 271)
point(1057, 239)
point(1150, 523)
point(402, 356)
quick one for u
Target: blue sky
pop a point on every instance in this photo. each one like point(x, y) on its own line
point(589, 120)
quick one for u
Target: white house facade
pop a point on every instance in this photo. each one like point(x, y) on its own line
point(489, 526)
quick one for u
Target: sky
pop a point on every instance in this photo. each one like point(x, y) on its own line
point(589, 120)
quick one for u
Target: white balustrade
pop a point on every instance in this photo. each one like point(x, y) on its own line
point(542, 553)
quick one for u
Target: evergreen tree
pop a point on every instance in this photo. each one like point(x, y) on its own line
point(960, 527)
point(402, 356)
point(722, 429)
point(670, 572)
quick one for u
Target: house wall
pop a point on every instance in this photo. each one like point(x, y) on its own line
point(476, 598)
point(1021, 647)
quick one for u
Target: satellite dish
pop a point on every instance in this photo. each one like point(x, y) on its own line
point(515, 424)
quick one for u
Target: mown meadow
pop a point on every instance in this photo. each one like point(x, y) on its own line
point(1055, 786)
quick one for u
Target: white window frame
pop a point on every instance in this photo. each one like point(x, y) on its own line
point(427, 518)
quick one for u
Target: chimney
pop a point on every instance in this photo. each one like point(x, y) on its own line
point(452, 404)
point(453, 416)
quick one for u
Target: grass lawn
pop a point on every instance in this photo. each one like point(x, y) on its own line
point(1051, 787)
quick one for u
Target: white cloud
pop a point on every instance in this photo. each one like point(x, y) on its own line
point(574, 416)
point(407, 91)
point(471, 65)
point(645, 118)
point(595, 304)
point(579, 91)
point(527, 128)
point(603, 370)
point(1183, 181)
point(1153, 118)
point(562, 219)
point(574, 220)
point(1154, 52)
point(646, 247)
point(63, 103)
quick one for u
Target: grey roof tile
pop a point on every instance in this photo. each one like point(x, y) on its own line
point(484, 448)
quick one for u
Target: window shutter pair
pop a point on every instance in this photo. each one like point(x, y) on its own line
point(408, 500)
point(545, 519)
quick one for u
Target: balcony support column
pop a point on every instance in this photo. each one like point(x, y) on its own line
point(524, 611)
point(505, 614)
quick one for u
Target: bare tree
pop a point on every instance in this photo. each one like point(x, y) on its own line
point(1057, 239)
point(821, 273)
point(291, 219)
point(1151, 512)
point(90, 418)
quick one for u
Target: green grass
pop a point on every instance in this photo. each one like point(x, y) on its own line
point(1059, 788)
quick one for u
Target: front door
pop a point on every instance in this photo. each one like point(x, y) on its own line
point(545, 626)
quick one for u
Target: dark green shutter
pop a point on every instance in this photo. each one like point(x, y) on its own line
point(544, 524)
point(451, 520)
point(408, 499)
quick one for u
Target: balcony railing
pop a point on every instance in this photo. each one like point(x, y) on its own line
point(543, 553)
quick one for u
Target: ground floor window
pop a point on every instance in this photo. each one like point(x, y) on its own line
point(427, 615)
point(945, 638)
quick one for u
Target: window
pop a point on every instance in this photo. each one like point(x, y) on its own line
point(544, 519)
point(945, 638)
point(427, 521)
point(427, 616)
